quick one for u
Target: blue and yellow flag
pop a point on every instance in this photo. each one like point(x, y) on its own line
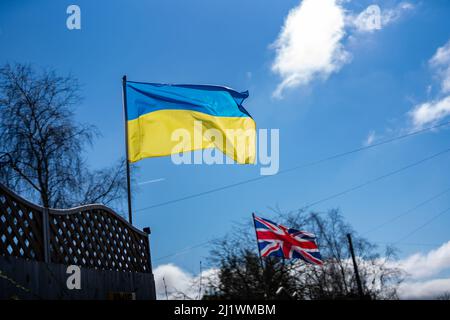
point(167, 119)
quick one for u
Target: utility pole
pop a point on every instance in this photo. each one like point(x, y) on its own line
point(355, 266)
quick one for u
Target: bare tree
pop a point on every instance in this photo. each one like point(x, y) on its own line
point(242, 277)
point(41, 144)
point(336, 279)
point(444, 296)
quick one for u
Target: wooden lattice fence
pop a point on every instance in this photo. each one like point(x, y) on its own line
point(91, 236)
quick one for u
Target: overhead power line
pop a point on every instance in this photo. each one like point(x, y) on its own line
point(359, 186)
point(187, 249)
point(417, 206)
point(305, 165)
point(423, 225)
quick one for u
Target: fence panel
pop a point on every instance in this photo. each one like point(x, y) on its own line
point(91, 236)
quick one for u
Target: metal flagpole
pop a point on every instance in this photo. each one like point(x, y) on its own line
point(257, 244)
point(124, 96)
point(260, 258)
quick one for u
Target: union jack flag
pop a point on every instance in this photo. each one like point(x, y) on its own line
point(279, 241)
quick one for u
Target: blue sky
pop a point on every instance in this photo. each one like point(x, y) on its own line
point(385, 75)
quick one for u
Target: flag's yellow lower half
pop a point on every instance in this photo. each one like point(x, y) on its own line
point(167, 132)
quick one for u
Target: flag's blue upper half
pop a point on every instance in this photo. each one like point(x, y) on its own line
point(219, 101)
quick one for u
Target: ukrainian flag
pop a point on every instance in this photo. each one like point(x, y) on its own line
point(165, 119)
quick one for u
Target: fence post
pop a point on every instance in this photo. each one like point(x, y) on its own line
point(46, 234)
point(148, 231)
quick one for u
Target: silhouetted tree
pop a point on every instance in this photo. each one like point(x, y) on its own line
point(241, 276)
point(444, 296)
point(41, 144)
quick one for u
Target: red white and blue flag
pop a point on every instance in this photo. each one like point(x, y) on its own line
point(275, 240)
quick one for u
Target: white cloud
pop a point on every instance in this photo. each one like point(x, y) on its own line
point(367, 20)
point(430, 112)
point(179, 283)
point(176, 280)
point(370, 138)
point(421, 265)
point(375, 18)
point(437, 109)
point(441, 63)
point(430, 289)
point(309, 44)
point(392, 15)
